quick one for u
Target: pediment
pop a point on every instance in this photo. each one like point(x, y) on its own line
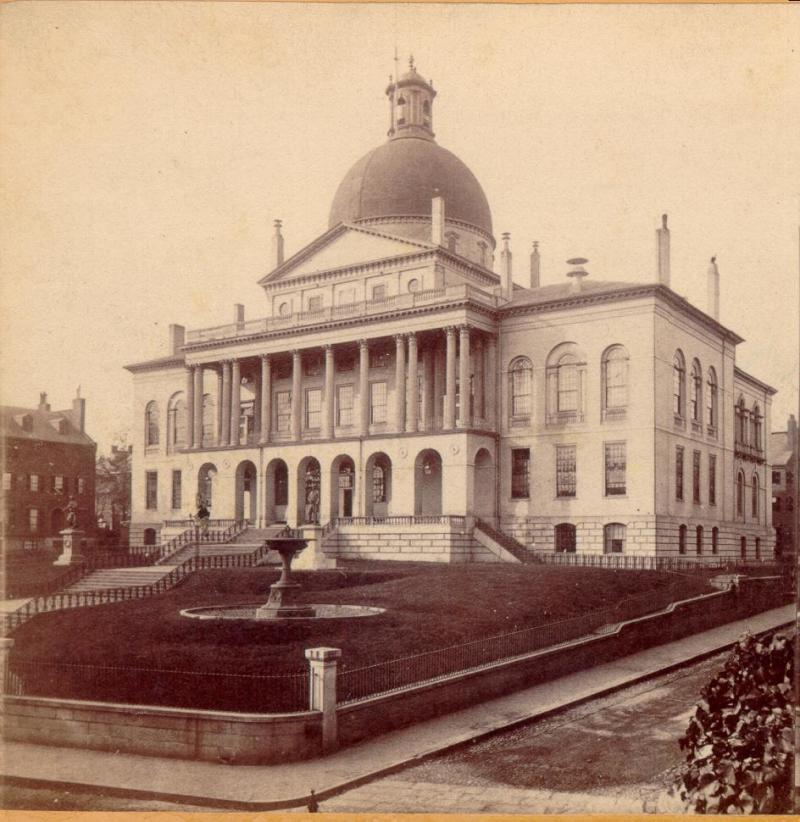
point(343, 246)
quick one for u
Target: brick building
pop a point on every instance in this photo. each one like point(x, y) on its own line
point(783, 456)
point(48, 460)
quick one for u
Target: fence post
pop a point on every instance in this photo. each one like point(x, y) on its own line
point(6, 644)
point(322, 663)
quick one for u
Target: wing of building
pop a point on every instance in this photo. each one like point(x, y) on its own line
point(397, 390)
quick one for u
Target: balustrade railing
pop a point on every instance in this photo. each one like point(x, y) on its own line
point(457, 522)
point(636, 562)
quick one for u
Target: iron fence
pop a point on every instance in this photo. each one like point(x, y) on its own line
point(633, 562)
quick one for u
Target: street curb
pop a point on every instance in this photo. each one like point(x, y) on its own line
point(328, 793)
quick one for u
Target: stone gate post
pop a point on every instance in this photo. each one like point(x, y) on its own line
point(323, 664)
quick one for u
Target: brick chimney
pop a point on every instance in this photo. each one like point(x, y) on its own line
point(44, 405)
point(535, 263)
point(79, 411)
point(238, 314)
point(506, 269)
point(437, 220)
point(662, 252)
point(177, 337)
point(713, 289)
point(277, 245)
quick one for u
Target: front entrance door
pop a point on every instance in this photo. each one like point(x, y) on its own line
point(347, 502)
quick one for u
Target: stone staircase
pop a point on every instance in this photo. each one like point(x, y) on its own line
point(257, 535)
point(120, 578)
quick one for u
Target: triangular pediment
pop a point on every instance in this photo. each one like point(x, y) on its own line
point(342, 246)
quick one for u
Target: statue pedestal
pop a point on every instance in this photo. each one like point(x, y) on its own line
point(71, 551)
point(282, 602)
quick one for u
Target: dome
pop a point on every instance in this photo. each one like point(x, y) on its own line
point(401, 177)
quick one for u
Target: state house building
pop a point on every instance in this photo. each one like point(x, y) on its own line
point(397, 381)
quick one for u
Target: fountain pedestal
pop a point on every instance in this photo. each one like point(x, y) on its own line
point(282, 602)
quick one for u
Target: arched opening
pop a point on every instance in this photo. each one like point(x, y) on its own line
point(483, 494)
point(56, 520)
point(308, 491)
point(743, 547)
point(715, 540)
point(699, 540)
point(614, 535)
point(565, 538)
point(682, 539)
point(246, 496)
point(379, 485)
point(342, 486)
point(276, 480)
point(149, 536)
point(428, 483)
point(205, 484)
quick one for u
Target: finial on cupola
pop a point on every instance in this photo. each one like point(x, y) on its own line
point(713, 289)
point(277, 245)
point(535, 264)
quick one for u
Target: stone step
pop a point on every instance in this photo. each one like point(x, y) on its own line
point(120, 578)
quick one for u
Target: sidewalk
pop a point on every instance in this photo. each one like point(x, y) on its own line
point(274, 787)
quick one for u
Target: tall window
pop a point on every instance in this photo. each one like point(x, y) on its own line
point(741, 424)
point(740, 494)
point(520, 473)
point(176, 422)
point(715, 540)
point(682, 539)
point(758, 548)
point(568, 384)
point(379, 482)
point(283, 411)
point(615, 462)
point(699, 540)
point(81, 485)
point(58, 484)
point(712, 479)
point(313, 408)
point(758, 424)
point(696, 396)
point(614, 538)
point(520, 381)
point(281, 480)
point(755, 492)
point(679, 385)
point(344, 405)
point(566, 369)
point(151, 490)
point(379, 293)
point(565, 538)
point(177, 490)
point(711, 399)
point(315, 303)
point(151, 424)
point(33, 520)
point(377, 402)
point(696, 477)
point(743, 547)
point(566, 479)
point(33, 482)
point(678, 472)
point(615, 380)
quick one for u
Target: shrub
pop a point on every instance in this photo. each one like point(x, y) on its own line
point(739, 742)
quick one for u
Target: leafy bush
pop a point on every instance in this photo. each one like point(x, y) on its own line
point(739, 742)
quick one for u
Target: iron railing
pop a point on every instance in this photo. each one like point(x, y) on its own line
point(191, 536)
point(634, 562)
point(513, 546)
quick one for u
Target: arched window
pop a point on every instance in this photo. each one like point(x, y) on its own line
point(520, 381)
point(401, 110)
point(696, 396)
point(452, 241)
point(565, 537)
point(482, 249)
point(758, 548)
point(715, 540)
point(379, 482)
point(614, 538)
point(741, 423)
point(699, 540)
point(679, 385)
point(566, 373)
point(615, 381)
point(682, 539)
point(151, 424)
point(754, 497)
point(740, 494)
point(176, 422)
point(757, 427)
point(711, 400)
point(743, 547)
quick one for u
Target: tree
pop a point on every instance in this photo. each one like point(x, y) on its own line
point(739, 742)
point(113, 486)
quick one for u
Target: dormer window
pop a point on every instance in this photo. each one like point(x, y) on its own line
point(60, 424)
point(25, 422)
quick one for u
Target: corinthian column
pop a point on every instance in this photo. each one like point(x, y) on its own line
point(363, 387)
point(327, 430)
point(450, 381)
point(225, 431)
point(198, 405)
point(236, 400)
point(413, 389)
point(464, 370)
point(491, 382)
point(266, 398)
point(399, 382)
point(190, 408)
point(297, 388)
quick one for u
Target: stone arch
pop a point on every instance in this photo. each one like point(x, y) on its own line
point(309, 476)
point(378, 485)
point(246, 492)
point(484, 486)
point(342, 486)
point(428, 483)
point(206, 477)
point(276, 496)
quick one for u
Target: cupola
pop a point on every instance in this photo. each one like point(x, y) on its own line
point(411, 102)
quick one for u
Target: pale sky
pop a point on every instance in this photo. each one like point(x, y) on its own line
point(146, 149)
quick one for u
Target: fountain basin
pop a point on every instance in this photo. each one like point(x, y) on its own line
point(249, 612)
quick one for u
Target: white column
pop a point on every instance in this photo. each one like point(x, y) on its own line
point(190, 408)
point(413, 389)
point(400, 382)
point(327, 430)
point(464, 372)
point(438, 383)
point(297, 388)
point(220, 403)
point(480, 385)
point(427, 388)
point(363, 387)
point(450, 381)
point(266, 398)
point(256, 408)
point(198, 405)
point(491, 382)
point(225, 433)
point(236, 400)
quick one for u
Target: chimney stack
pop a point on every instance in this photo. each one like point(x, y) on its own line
point(277, 245)
point(79, 411)
point(177, 337)
point(577, 273)
point(437, 220)
point(535, 261)
point(238, 314)
point(506, 271)
point(662, 252)
point(713, 289)
point(44, 405)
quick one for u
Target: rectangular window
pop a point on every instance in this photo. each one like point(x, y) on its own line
point(344, 405)
point(6, 481)
point(346, 296)
point(379, 293)
point(378, 358)
point(678, 472)
point(776, 477)
point(33, 520)
point(177, 501)
point(346, 361)
point(315, 303)
point(58, 484)
point(377, 402)
point(568, 384)
point(520, 473)
point(313, 408)
point(566, 479)
point(283, 411)
point(712, 479)
point(33, 482)
point(151, 490)
point(696, 477)
point(615, 468)
point(80, 484)
point(312, 365)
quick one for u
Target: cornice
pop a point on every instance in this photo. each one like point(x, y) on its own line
point(162, 364)
point(745, 377)
point(426, 219)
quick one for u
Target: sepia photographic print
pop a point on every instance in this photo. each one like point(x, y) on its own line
point(399, 408)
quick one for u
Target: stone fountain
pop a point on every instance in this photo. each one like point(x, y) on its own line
point(282, 602)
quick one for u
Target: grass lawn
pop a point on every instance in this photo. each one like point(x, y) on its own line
point(25, 573)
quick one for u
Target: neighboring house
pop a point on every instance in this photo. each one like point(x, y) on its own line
point(783, 456)
point(395, 374)
point(113, 494)
point(48, 460)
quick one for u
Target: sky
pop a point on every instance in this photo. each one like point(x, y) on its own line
point(146, 149)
